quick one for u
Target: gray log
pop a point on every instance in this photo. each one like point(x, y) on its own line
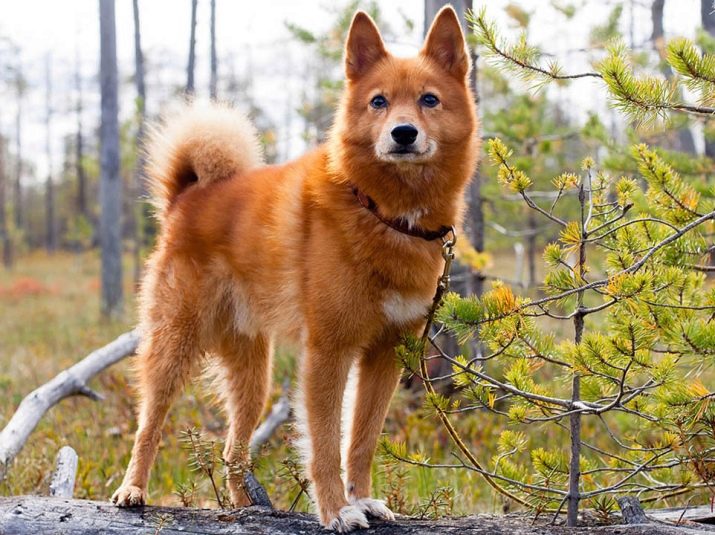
point(70, 382)
point(29, 515)
point(62, 484)
point(280, 412)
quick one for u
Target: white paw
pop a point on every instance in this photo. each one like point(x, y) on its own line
point(374, 508)
point(349, 518)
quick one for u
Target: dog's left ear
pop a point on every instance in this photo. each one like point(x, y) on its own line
point(445, 43)
point(364, 46)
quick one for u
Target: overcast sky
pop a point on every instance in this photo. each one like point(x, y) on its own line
point(252, 40)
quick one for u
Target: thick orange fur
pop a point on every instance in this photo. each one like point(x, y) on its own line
point(250, 252)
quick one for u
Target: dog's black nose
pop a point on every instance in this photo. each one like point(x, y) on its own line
point(404, 134)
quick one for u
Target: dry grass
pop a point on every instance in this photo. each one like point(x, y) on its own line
point(50, 319)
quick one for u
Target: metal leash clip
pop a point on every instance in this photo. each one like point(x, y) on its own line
point(448, 244)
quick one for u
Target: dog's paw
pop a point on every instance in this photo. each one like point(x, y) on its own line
point(129, 496)
point(374, 508)
point(349, 518)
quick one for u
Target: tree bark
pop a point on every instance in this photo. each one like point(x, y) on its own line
point(192, 51)
point(433, 6)
point(4, 233)
point(29, 515)
point(685, 141)
point(17, 194)
point(82, 206)
point(72, 381)
point(213, 85)
point(707, 17)
point(138, 207)
point(631, 510)
point(110, 183)
point(51, 220)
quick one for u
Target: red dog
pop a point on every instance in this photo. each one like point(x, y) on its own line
point(338, 250)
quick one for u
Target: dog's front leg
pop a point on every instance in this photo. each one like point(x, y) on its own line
point(378, 376)
point(324, 375)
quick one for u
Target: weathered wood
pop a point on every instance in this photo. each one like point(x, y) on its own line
point(25, 515)
point(70, 382)
point(701, 513)
point(62, 483)
point(256, 493)
point(632, 511)
point(280, 412)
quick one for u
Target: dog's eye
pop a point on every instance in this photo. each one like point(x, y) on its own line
point(378, 102)
point(429, 100)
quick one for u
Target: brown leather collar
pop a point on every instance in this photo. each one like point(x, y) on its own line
point(399, 224)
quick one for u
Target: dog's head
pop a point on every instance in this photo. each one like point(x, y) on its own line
point(407, 111)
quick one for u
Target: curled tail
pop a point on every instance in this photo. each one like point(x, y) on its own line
point(196, 145)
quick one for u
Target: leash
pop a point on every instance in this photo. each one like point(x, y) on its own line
point(442, 287)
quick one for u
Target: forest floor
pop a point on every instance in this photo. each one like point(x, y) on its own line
point(50, 319)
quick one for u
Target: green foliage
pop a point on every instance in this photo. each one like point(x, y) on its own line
point(643, 98)
point(628, 280)
point(602, 34)
point(520, 58)
point(697, 68)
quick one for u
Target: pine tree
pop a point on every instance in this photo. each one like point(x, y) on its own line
point(622, 396)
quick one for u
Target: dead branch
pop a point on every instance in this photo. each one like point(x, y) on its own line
point(280, 412)
point(62, 483)
point(72, 381)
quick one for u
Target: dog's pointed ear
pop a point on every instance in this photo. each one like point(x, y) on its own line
point(364, 46)
point(445, 43)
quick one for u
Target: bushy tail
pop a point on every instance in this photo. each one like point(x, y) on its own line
point(195, 145)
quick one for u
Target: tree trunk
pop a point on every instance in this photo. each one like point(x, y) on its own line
point(214, 60)
point(110, 190)
point(4, 233)
point(17, 193)
point(433, 6)
point(51, 222)
point(475, 202)
point(82, 206)
point(707, 17)
point(139, 194)
point(532, 251)
point(475, 215)
point(192, 51)
point(685, 141)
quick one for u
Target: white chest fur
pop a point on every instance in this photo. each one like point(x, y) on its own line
point(400, 309)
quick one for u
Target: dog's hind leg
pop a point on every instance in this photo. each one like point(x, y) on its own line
point(165, 358)
point(246, 363)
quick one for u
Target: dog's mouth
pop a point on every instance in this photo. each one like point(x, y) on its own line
point(404, 150)
point(407, 154)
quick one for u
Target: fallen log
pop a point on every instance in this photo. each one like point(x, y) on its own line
point(72, 381)
point(29, 515)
